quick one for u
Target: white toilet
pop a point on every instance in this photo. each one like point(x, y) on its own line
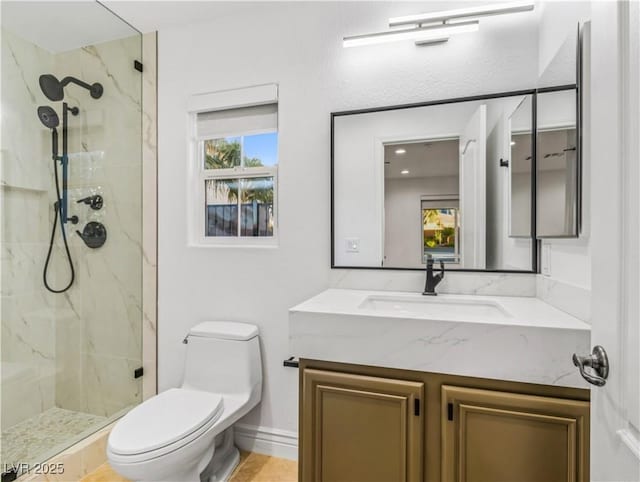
point(185, 434)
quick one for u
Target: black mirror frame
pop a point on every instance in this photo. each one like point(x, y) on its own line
point(535, 240)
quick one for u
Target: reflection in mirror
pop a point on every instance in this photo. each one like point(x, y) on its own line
point(421, 176)
point(520, 171)
point(557, 165)
point(430, 181)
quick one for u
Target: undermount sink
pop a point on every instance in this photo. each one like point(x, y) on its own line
point(433, 307)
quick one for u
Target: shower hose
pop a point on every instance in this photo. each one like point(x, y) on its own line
point(58, 214)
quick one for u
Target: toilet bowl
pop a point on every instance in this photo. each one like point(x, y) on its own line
point(186, 434)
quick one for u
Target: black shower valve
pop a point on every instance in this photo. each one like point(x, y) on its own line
point(94, 202)
point(94, 234)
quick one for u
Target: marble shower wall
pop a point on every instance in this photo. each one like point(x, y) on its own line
point(99, 339)
point(149, 212)
point(28, 311)
point(77, 350)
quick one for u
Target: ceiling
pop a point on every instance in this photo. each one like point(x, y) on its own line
point(60, 26)
point(148, 17)
point(63, 26)
point(422, 159)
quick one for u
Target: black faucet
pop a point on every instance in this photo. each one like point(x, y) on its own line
point(432, 280)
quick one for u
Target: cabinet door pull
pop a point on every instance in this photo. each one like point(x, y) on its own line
point(450, 412)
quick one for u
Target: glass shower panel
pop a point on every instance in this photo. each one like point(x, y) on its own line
point(71, 272)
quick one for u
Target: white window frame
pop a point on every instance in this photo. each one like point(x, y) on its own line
point(442, 201)
point(252, 96)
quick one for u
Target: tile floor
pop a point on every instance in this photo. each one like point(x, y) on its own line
point(252, 468)
point(36, 438)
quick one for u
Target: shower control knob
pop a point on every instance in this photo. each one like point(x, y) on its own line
point(94, 234)
point(95, 202)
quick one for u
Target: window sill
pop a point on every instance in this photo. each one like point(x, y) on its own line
point(236, 243)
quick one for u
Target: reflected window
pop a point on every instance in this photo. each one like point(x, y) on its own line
point(440, 222)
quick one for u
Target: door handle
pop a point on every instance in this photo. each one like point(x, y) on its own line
point(599, 364)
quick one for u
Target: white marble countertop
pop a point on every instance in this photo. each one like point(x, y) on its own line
point(500, 337)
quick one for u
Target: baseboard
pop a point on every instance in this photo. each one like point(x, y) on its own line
point(267, 441)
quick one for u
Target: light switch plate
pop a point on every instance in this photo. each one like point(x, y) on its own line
point(353, 245)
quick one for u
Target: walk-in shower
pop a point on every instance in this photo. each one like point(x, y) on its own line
point(71, 169)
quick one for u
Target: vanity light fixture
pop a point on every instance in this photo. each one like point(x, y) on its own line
point(401, 151)
point(437, 27)
point(404, 171)
point(471, 12)
point(421, 35)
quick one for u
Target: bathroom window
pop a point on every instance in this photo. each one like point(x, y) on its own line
point(237, 166)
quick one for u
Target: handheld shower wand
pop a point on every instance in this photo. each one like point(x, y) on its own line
point(50, 119)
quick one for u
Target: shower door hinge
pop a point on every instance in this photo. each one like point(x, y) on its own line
point(138, 372)
point(137, 65)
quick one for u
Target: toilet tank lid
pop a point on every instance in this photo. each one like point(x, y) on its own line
point(225, 330)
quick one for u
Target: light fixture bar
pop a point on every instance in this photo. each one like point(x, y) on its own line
point(480, 11)
point(424, 35)
point(432, 41)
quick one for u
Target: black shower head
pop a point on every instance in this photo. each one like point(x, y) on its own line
point(54, 88)
point(51, 87)
point(48, 116)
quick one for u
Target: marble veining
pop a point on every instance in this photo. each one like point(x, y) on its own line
point(500, 284)
point(571, 299)
point(149, 212)
point(100, 341)
point(534, 344)
point(28, 331)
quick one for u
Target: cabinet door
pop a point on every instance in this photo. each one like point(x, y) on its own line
point(505, 437)
point(360, 429)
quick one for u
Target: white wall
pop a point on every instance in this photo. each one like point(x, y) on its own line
point(558, 38)
point(298, 46)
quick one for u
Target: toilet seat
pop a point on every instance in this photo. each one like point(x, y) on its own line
point(164, 423)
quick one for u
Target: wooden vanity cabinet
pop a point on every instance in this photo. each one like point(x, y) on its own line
point(367, 424)
point(360, 428)
point(502, 437)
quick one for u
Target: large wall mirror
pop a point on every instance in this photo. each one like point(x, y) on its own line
point(456, 181)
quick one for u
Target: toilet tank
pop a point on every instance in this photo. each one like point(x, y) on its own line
point(224, 357)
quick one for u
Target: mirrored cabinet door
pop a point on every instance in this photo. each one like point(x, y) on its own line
point(520, 170)
point(558, 165)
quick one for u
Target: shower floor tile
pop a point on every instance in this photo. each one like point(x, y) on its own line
point(40, 437)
